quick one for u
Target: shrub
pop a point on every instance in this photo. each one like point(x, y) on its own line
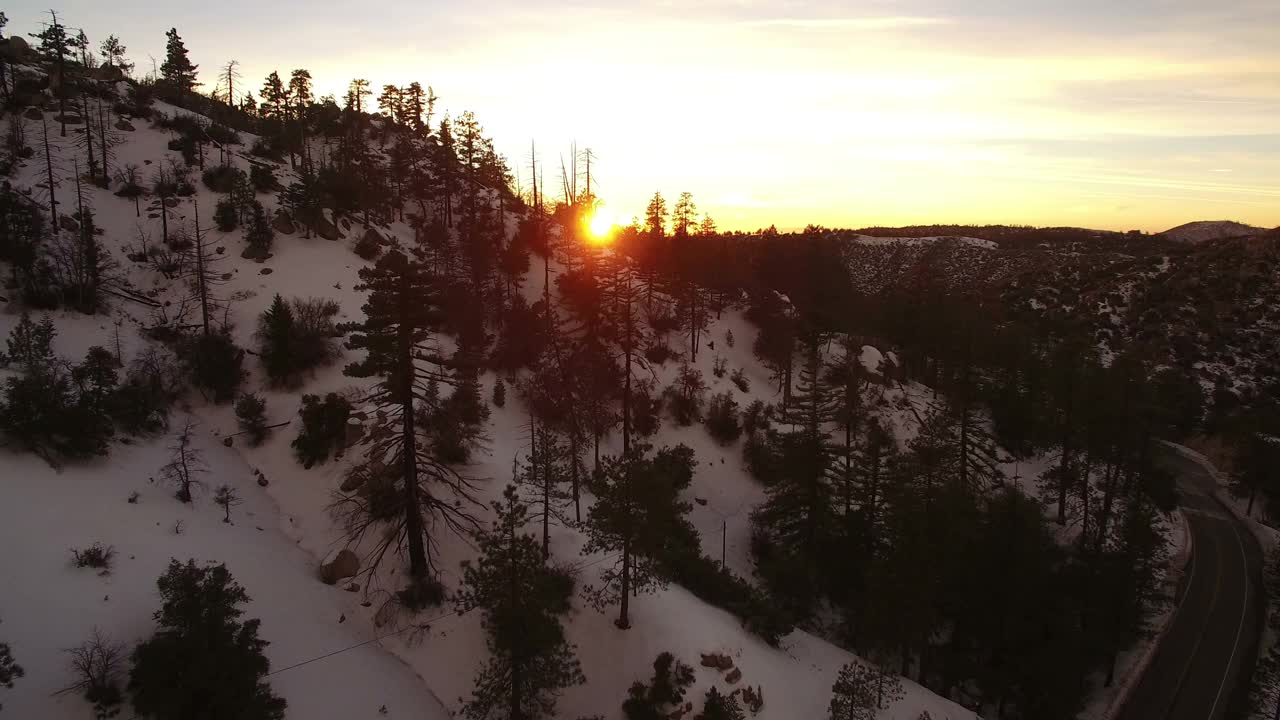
point(685, 395)
point(728, 337)
point(96, 666)
point(263, 178)
point(712, 583)
point(757, 416)
point(296, 336)
point(47, 413)
point(671, 678)
point(718, 366)
point(722, 418)
point(659, 353)
point(740, 380)
point(263, 149)
point(214, 364)
point(367, 247)
point(324, 425)
point(222, 178)
point(421, 594)
point(763, 454)
point(96, 556)
point(499, 393)
point(225, 215)
point(251, 415)
point(202, 661)
point(140, 405)
point(259, 233)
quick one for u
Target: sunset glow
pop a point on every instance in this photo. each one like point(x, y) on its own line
point(1114, 115)
point(601, 226)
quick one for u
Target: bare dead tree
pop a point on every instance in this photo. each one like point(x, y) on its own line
point(185, 463)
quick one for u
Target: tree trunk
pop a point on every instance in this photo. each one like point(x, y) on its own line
point(418, 564)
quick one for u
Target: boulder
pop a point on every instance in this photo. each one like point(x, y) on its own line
point(262, 481)
point(326, 229)
point(283, 224)
point(33, 114)
point(353, 587)
point(344, 565)
point(265, 271)
point(68, 223)
point(228, 441)
point(355, 431)
point(69, 119)
point(717, 661)
point(257, 253)
point(734, 676)
point(125, 125)
point(15, 44)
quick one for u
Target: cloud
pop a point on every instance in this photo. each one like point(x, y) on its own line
point(847, 23)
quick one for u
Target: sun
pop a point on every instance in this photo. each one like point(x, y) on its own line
point(600, 226)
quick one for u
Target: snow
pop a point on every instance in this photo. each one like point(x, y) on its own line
point(282, 531)
point(871, 359)
point(923, 241)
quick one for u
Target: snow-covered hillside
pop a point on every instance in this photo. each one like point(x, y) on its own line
point(1207, 230)
point(330, 659)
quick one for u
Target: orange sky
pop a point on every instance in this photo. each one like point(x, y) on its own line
point(1144, 114)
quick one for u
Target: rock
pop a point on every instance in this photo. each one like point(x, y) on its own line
point(227, 441)
point(700, 501)
point(346, 224)
point(344, 565)
point(257, 253)
point(355, 431)
point(283, 224)
point(33, 114)
point(353, 587)
point(226, 276)
point(265, 271)
point(353, 482)
point(262, 481)
point(326, 229)
point(171, 202)
point(68, 223)
point(14, 45)
point(69, 119)
point(734, 676)
point(125, 125)
point(220, 249)
point(717, 661)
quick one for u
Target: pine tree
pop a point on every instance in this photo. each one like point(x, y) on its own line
point(203, 660)
point(177, 71)
point(56, 45)
point(10, 670)
point(276, 333)
point(795, 525)
point(113, 54)
point(638, 511)
point(531, 663)
point(259, 234)
point(251, 415)
point(720, 707)
point(186, 462)
point(656, 217)
point(684, 215)
point(402, 314)
point(542, 482)
point(861, 691)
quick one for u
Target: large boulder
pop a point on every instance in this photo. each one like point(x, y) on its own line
point(125, 125)
point(344, 565)
point(325, 228)
point(283, 224)
point(33, 114)
point(68, 223)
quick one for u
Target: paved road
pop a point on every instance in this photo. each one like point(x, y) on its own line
point(1200, 670)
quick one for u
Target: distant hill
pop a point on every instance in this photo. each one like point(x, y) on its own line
point(1205, 230)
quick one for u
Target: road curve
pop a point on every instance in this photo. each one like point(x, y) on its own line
point(1201, 667)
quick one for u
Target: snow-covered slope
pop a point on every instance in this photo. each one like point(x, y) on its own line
point(421, 667)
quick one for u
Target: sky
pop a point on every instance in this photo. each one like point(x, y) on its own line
point(1141, 114)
